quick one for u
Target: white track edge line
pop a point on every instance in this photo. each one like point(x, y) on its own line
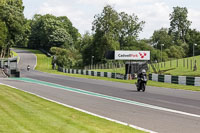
point(36, 62)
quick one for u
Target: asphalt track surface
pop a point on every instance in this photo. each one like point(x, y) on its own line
point(183, 116)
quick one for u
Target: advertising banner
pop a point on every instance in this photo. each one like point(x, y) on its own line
point(132, 55)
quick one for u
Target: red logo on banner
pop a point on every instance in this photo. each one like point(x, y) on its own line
point(143, 55)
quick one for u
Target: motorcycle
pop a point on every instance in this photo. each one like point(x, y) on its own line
point(28, 68)
point(141, 85)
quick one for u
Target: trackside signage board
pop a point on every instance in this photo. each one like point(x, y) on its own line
point(132, 55)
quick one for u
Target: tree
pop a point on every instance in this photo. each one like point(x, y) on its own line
point(175, 52)
point(50, 31)
point(3, 37)
point(60, 37)
point(57, 35)
point(129, 28)
point(86, 48)
point(161, 37)
point(176, 37)
point(69, 58)
point(179, 24)
point(23, 38)
point(11, 14)
point(68, 26)
point(105, 29)
point(112, 31)
point(193, 38)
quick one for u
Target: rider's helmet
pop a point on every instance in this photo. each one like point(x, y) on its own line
point(143, 71)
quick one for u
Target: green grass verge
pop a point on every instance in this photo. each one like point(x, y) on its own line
point(21, 112)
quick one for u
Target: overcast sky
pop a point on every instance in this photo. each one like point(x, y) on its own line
point(155, 13)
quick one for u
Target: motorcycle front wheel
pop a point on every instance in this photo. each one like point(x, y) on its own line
point(143, 87)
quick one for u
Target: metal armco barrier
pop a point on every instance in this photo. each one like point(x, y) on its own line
point(9, 67)
point(92, 73)
point(183, 80)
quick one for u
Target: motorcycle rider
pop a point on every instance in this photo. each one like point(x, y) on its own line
point(141, 75)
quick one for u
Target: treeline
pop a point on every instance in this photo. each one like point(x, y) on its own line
point(111, 30)
point(58, 36)
point(179, 40)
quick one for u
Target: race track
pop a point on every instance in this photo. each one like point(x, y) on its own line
point(158, 109)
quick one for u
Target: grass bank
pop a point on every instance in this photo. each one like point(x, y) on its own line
point(13, 54)
point(21, 112)
point(44, 64)
point(181, 67)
